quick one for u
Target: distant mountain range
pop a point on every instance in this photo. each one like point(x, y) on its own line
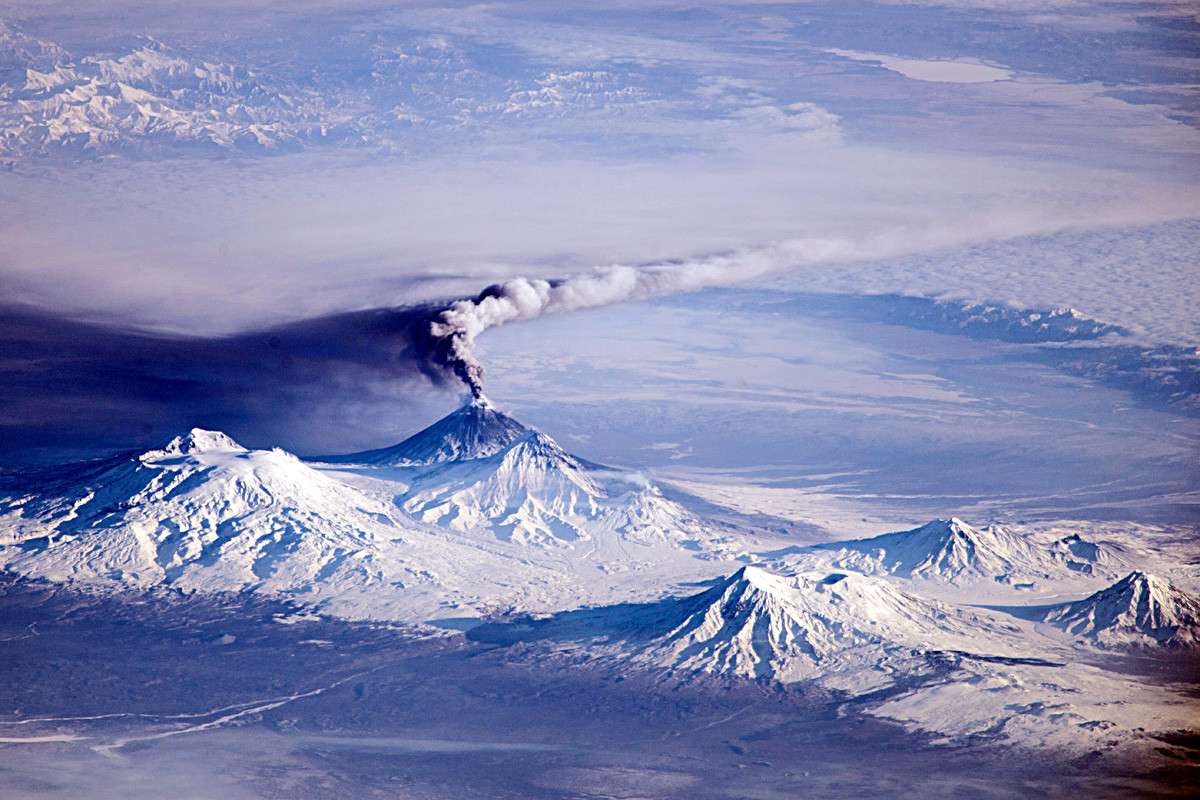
point(144, 97)
point(952, 552)
point(151, 98)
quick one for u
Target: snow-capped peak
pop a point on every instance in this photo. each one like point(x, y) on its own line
point(203, 513)
point(755, 624)
point(197, 440)
point(475, 430)
point(540, 448)
point(532, 491)
point(1138, 609)
point(951, 551)
point(943, 550)
point(760, 579)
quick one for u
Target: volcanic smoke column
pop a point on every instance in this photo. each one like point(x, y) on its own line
point(453, 329)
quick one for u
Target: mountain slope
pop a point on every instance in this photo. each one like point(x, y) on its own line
point(532, 492)
point(476, 430)
point(756, 624)
point(203, 513)
point(953, 552)
point(479, 472)
point(1139, 609)
point(848, 631)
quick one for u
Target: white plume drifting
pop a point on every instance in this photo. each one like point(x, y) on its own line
point(457, 327)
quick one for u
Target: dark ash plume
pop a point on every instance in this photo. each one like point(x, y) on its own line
point(72, 386)
point(68, 384)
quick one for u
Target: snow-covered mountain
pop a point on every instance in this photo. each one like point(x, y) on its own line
point(848, 631)
point(141, 95)
point(531, 490)
point(964, 674)
point(1139, 609)
point(147, 98)
point(951, 551)
point(1088, 558)
point(201, 481)
point(755, 624)
point(203, 513)
point(479, 471)
point(474, 431)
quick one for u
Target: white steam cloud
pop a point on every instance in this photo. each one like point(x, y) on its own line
point(456, 328)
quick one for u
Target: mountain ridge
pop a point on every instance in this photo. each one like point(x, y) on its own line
point(955, 553)
point(1139, 610)
point(853, 630)
point(201, 513)
point(475, 430)
point(527, 489)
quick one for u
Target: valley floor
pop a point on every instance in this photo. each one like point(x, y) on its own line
point(243, 697)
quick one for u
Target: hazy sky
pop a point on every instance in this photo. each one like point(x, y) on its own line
point(235, 166)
